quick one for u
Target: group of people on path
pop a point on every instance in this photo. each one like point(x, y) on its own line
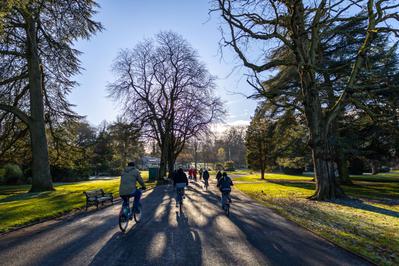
point(131, 175)
point(180, 180)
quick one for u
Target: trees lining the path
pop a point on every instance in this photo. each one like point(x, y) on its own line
point(298, 31)
point(37, 62)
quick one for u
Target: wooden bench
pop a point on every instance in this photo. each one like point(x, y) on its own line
point(95, 197)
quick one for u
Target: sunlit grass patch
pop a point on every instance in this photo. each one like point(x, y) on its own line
point(17, 207)
point(271, 176)
point(367, 227)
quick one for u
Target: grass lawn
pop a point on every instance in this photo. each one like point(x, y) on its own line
point(367, 224)
point(17, 207)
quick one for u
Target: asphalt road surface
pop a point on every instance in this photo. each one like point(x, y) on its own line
point(200, 235)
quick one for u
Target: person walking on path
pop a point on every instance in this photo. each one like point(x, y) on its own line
point(127, 186)
point(190, 173)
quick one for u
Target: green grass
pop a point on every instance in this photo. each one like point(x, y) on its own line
point(17, 207)
point(367, 224)
point(271, 176)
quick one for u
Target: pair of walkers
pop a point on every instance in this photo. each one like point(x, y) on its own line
point(192, 173)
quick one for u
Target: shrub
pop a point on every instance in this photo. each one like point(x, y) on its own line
point(292, 171)
point(11, 174)
point(356, 166)
point(229, 166)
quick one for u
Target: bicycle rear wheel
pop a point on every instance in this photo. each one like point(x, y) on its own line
point(227, 209)
point(123, 221)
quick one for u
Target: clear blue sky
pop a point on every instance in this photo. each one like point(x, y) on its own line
point(126, 23)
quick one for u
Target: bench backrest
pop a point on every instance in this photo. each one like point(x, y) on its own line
point(94, 193)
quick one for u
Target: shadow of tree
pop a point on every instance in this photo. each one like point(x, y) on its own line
point(150, 241)
point(360, 191)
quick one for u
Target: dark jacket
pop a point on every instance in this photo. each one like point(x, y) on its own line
point(205, 174)
point(180, 177)
point(224, 183)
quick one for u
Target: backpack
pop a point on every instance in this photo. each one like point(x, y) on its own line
point(224, 183)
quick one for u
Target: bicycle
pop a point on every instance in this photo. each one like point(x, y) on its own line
point(180, 195)
point(206, 184)
point(226, 202)
point(126, 214)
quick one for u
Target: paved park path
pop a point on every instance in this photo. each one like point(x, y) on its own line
point(200, 235)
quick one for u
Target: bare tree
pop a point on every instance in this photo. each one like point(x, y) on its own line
point(37, 61)
point(164, 87)
point(299, 27)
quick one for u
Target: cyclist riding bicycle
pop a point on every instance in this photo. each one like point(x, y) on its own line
point(180, 181)
point(127, 187)
point(205, 176)
point(224, 185)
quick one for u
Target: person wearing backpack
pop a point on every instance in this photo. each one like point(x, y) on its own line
point(224, 184)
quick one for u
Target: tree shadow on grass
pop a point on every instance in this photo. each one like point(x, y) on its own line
point(298, 184)
point(26, 196)
point(351, 202)
point(360, 204)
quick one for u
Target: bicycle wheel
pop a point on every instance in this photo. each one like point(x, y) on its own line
point(137, 213)
point(123, 220)
point(227, 209)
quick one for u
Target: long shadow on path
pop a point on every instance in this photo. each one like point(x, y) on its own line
point(164, 238)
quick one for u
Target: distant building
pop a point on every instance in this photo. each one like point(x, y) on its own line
point(148, 161)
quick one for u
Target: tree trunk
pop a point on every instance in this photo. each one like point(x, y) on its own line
point(343, 170)
point(171, 161)
point(262, 173)
point(327, 187)
point(41, 176)
point(164, 160)
point(171, 166)
point(374, 167)
point(195, 154)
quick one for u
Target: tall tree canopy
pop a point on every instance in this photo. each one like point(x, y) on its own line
point(298, 30)
point(37, 62)
point(164, 87)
